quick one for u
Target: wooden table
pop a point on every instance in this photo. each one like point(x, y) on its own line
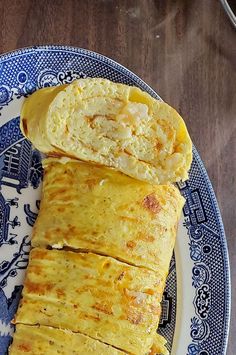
point(183, 49)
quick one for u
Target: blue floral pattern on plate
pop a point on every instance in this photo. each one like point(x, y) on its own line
point(21, 73)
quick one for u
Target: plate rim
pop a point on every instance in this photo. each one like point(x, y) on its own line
point(113, 63)
point(224, 247)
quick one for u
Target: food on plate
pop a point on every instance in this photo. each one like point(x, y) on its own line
point(108, 300)
point(41, 340)
point(105, 233)
point(110, 124)
point(94, 208)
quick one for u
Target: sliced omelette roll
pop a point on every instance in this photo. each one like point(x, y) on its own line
point(41, 340)
point(110, 124)
point(113, 302)
point(98, 209)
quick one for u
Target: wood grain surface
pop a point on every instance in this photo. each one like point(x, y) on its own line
point(186, 50)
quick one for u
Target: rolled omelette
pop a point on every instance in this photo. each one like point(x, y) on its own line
point(41, 340)
point(98, 296)
point(110, 124)
point(93, 208)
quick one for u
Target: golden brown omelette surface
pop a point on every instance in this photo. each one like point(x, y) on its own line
point(110, 124)
point(41, 340)
point(97, 209)
point(115, 223)
point(111, 301)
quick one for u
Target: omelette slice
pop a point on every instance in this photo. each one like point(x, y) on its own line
point(41, 340)
point(113, 302)
point(110, 124)
point(98, 209)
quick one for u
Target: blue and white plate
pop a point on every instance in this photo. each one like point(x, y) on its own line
point(196, 302)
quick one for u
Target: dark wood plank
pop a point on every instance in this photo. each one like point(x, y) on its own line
point(183, 49)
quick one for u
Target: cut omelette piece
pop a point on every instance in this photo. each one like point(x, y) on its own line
point(41, 340)
point(111, 124)
point(98, 209)
point(98, 296)
point(159, 346)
